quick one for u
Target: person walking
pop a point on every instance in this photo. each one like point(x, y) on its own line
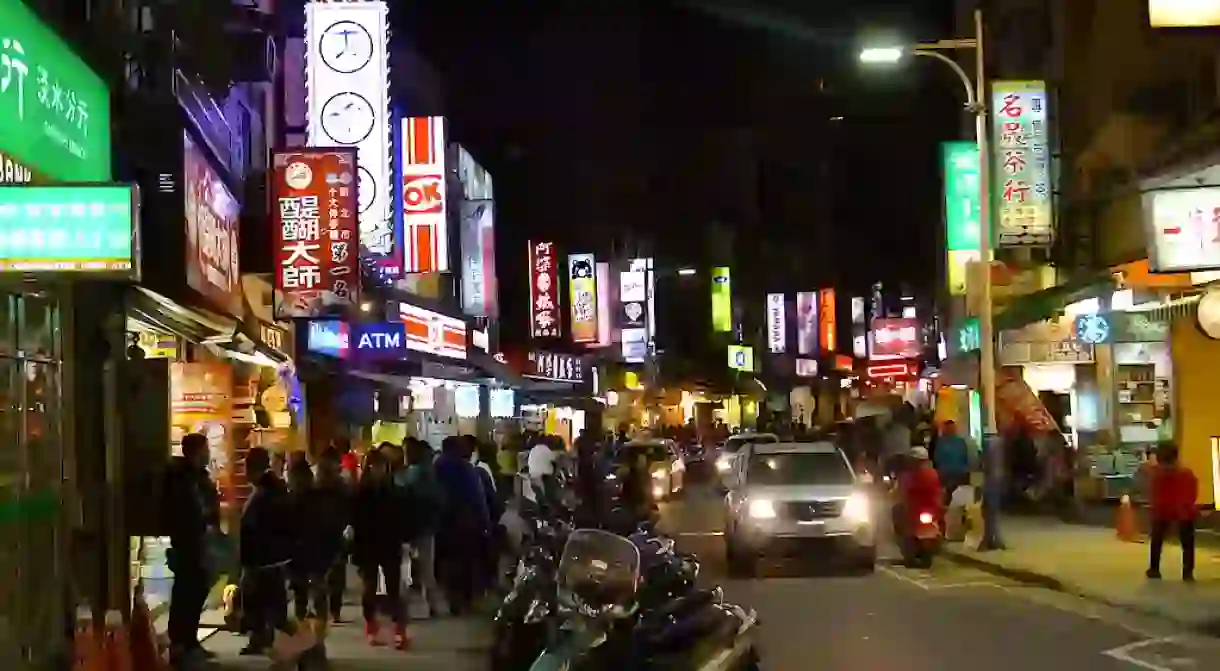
point(193, 516)
point(426, 502)
point(329, 509)
point(302, 571)
point(377, 540)
point(268, 540)
point(483, 457)
point(464, 524)
point(1174, 496)
point(952, 459)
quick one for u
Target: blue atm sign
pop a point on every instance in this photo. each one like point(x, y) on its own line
point(343, 340)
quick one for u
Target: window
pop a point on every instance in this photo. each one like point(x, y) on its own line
point(799, 468)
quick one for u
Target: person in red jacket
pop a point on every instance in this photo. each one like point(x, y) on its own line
point(919, 490)
point(1174, 496)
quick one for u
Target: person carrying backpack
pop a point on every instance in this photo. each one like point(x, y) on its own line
point(426, 503)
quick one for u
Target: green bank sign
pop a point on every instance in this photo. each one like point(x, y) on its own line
point(54, 111)
point(82, 228)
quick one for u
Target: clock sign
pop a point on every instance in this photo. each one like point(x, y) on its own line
point(345, 47)
point(347, 118)
point(366, 189)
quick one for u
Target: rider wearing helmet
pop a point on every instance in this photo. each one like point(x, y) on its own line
point(918, 490)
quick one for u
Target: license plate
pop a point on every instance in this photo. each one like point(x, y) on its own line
point(814, 528)
point(927, 534)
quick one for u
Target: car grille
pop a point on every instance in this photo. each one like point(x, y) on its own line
point(803, 511)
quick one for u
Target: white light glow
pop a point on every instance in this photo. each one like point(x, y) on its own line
point(687, 272)
point(347, 78)
point(881, 55)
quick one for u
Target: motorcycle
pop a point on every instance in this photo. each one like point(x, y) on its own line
point(921, 542)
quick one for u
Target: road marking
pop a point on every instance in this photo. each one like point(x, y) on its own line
point(928, 585)
point(1123, 653)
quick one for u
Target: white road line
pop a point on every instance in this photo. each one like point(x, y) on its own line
point(910, 581)
point(1123, 653)
point(929, 586)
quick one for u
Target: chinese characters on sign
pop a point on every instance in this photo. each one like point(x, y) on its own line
point(1022, 163)
point(777, 327)
point(558, 367)
point(1183, 229)
point(314, 196)
point(88, 229)
point(963, 201)
point(544, 290)
point(212, 230)
point(582, 284)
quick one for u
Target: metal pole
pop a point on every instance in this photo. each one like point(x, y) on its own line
point(986, 231)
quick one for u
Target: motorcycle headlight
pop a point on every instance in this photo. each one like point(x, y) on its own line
point(856, 508)
point(762, 509)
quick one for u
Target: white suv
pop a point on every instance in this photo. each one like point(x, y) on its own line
point(787, 495)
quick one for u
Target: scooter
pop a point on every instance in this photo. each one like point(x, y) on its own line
point(921, 543)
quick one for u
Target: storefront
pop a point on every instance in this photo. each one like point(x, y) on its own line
point(1060, 371)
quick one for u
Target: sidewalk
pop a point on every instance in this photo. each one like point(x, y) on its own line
point(1092, 563)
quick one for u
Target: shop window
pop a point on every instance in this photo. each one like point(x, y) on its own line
point(37, 326)
point(7, 341)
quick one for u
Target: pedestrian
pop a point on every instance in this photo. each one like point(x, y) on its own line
point(348, 459)
point(483, 457)
point(302, 572)
point(464, 525)
point(426, 502)
point(952, 459)
point(268, 541)
point(193, 517)
point(1174, 495)
point(377, 547)
point(329, 509)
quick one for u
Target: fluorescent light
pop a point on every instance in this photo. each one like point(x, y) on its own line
point(686, 271)
point(881, 55)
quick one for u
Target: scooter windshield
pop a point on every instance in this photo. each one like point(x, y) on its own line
point(599, 571)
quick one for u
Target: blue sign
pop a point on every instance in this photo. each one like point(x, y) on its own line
point(383, 340)
point(1094, 329)
point(330, 337)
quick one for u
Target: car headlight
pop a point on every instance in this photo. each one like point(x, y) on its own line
point(762, 509)
point(856, 508)
point(722, 464)
point(660, 474)
point(657, 491)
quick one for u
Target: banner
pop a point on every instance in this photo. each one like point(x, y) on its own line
point(544, 291)
point(313, 194)
point(828, 327)
point(213, 233)
point(963, 207)
point(807, 323)
point(1021, 142)
point(478, 258)
point(605, 324)
point(582, 287)
point(776, 325)
point(722, 300)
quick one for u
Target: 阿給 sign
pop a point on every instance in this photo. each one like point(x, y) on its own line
point(313, 192)
point(1183, 229)
point(432, 332)
point(544, 290)
point(963, 201)
point(1022, 163)
point(79, 228)
point(777, 328)
point(54, 110)
point(582, 285)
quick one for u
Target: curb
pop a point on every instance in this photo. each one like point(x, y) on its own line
point(1036, 579)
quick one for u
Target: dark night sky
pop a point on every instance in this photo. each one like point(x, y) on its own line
point(599, 116)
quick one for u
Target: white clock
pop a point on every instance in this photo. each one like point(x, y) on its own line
point(366, 189)
point(347, 118)
point(1209, 314)
point(345, 47)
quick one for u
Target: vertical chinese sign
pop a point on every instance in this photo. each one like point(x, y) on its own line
point(316, 230)
point(544, 290)
point(827, 325)
point(1021, 154)
point(963, 200)
point(582, 284)
point(722, 300)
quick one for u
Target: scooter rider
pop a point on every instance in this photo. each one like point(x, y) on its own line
point(918, 492)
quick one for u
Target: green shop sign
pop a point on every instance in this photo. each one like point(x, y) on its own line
point(80, 228)
point(963, 195)
point(54, 110)
point(967, 337)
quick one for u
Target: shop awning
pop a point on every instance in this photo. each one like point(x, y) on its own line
point(192, 324)
point(1046, 304)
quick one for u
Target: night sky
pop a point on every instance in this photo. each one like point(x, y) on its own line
point(601, 118)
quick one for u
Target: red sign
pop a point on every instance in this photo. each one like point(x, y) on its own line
point(889, 370)
point(316, 230)
point(423, 195)
point(827, 324)
point(544, 290)
point(213, 230)
point(896, 338)
point(433, 332)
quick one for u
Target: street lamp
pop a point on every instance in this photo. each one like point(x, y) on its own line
point(687, 272)
point(975, 92)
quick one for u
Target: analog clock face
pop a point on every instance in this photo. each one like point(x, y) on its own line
point(366, 189)
point(347, 118)
point(345, 47)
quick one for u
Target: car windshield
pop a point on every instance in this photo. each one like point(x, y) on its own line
point(799, 468)
point(732, 445)
point(653, 453)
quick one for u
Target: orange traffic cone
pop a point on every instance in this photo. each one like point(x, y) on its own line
point(145, 655)
point(86, 645)
point(117, 644)
point(1125, 526)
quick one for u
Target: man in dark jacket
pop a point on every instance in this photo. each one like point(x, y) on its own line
point(329, 506)
point(465, 522)
point(267, 545)
point(193, 512)
point(377, 510)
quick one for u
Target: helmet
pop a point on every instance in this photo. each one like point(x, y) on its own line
point(919, 453)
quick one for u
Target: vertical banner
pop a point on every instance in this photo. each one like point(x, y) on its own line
point(1021, 143)
point(544, 291)
point(582, 285)
point(425, 225)
point(859, 329)
point(807, 323)
point(605, 325)
point(316, 230)
point(963, 201)
point(478, 261)
point(722, 300)
point(776, 325)
point(828, 327)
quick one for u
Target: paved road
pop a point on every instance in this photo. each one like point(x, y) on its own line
point(951, 618)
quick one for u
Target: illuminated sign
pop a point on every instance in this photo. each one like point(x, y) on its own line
point(1021, 138)
point(582, 287)
point(741, 358)
point(1183, 13)
point(891, 370)
point(968, 337)
point(895, 339)
point(213, 232)
point(425, 224)
point(807, 323)
point(556, 366)
point(1181, 227)
point(69, 229)
point(329, 336)
point(963, 207)
point(544, 290)
point(313, 195)
point(722, 300)
point(605, 325)
point(828, 326)
point(432, 332)
point(777, 327)
point(806, 368)
point(347, 79)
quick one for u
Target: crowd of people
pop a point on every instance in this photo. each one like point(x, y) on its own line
point(394, 511)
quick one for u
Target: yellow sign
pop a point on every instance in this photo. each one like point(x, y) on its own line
point(722, 300)
point(741, 358)
point(1183, 13)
